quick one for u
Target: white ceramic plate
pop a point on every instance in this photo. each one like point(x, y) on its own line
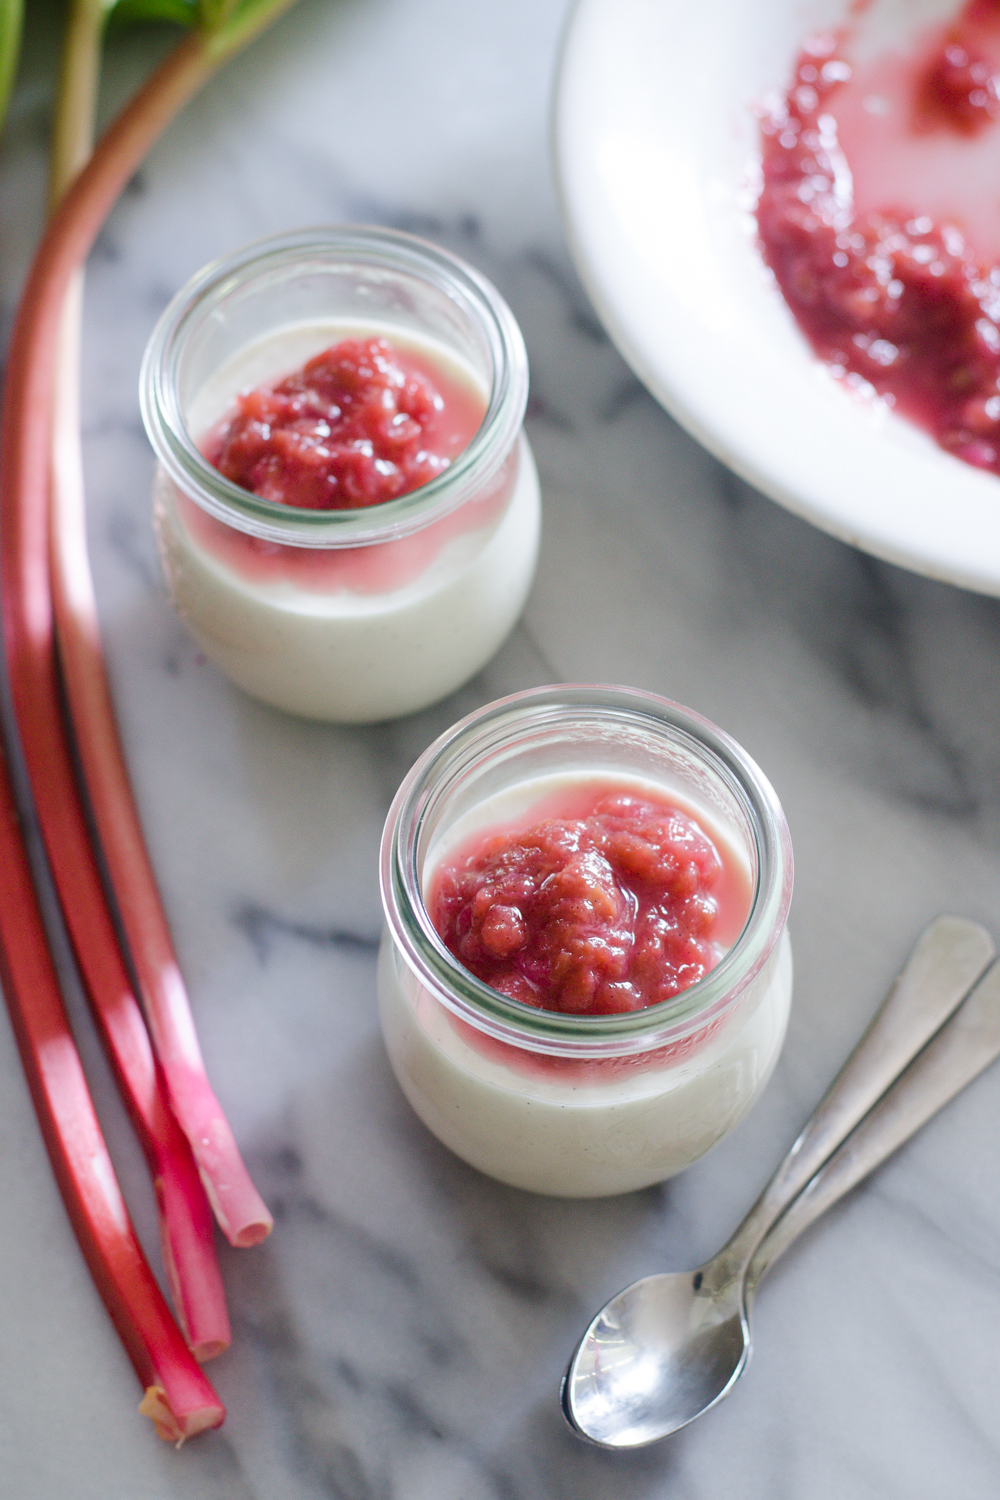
point(655, 138)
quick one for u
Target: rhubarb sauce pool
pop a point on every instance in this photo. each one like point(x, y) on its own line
point(880, 218)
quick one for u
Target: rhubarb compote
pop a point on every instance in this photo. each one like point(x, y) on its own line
point(610, 898)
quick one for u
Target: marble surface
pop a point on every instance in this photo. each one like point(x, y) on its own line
point(403, 1331)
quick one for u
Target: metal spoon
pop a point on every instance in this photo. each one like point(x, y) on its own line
point(670, 1346)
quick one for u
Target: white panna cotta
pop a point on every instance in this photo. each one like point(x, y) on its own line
point(566, 1104)
point(374, 610)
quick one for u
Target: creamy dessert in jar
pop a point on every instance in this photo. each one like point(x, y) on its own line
point(585, 977)
point(347, 509)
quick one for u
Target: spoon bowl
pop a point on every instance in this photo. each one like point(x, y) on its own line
point(658, 1355)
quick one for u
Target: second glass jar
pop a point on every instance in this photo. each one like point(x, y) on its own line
point(348, 615)
point(571, 1104)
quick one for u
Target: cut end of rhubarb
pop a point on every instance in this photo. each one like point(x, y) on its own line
point(172, 1429)
point(252, 1234)
point(209, 1349)
point(239, 1210)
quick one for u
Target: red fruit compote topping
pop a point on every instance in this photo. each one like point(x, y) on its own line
point(604, 898)
point(359, 424)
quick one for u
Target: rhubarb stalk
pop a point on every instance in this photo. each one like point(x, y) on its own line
point(237, 1205)
point(186, 1234)
point(178, 1397)
point(24, 452)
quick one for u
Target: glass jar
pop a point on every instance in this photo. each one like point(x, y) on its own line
point(581, 1105)
point(360, 614)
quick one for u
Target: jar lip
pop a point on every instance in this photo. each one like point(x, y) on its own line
point(367, 246)
point(554, 1031)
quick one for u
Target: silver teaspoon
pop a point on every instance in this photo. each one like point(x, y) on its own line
point(670, 1346)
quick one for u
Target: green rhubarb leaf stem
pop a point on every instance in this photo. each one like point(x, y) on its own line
point(11, 19)
point(76, 100)
point(235, 24)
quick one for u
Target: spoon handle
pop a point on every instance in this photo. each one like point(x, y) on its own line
point(959, 1052)
point(949, 957)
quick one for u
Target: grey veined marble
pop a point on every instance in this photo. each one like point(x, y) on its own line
point(402, 1334)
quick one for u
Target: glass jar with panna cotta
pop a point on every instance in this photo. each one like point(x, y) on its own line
point(585, 975)
point(324, 601)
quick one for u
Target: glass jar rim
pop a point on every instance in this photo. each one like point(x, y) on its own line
point(359, 244)
point(556, 1032)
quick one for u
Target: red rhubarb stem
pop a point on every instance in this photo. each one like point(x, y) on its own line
point(28, 629)
point(178, 1397)
point(186, 1230)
